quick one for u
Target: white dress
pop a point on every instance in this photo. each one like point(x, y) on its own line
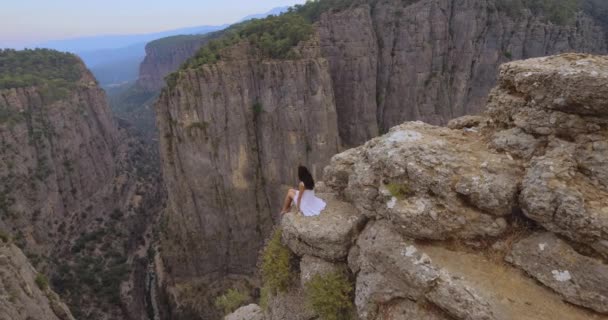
point(310, 204)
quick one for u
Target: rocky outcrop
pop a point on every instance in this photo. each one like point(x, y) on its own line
point(25, 293)
point(78, 194)
point(452, 216)
point(556, 264)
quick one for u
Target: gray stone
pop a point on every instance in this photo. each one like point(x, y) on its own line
point(581, 280)
point(563, 200)
point(389, 268)
point(516, 142)
point(248, 312)
point(404, 309)
point(311, 266)
point(408, 175)
point(393, 268)
point(469, 121)
point(460, 300)
point(328, 235)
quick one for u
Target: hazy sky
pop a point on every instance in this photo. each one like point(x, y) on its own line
point(24, 22)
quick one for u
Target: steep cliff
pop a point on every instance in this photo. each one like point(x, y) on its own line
point(77, 193)
point(438, 56)
point(233, 130)
point(166, 55)
point(431, 222)
point(227, 131)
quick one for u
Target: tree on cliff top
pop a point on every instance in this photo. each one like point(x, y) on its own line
point(27, 68)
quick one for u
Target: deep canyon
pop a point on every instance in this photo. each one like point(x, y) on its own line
point(156, 212)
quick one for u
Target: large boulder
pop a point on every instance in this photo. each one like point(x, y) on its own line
point(431, 182)
point(391, 268)
point(579, 279)
point(564, 200)
point(328, 235)
point(556, 108)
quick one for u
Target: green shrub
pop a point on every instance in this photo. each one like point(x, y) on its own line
point(399, 191)
point(56, 73)
point(4, 237)
point(264, 296)
point(42, 282)
point(231, 300)
point(329, 296)
point(257, 108)
point(276, 265)
point(508, 55)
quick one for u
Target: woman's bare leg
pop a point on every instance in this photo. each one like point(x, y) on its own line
point(288, 199)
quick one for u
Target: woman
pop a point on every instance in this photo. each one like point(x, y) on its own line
point(304, 198)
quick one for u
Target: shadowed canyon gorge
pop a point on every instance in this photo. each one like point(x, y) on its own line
point(169, 205)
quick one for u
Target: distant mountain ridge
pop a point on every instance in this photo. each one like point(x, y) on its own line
point(115, 59)
point(94, 43)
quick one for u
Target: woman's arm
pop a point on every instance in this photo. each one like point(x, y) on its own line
point(301, 188)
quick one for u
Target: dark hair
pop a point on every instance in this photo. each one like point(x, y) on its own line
point(305, 176)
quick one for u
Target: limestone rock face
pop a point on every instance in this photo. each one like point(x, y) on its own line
point(579, 279)
point(566, 187)
point(23, 298)
point(230, 142)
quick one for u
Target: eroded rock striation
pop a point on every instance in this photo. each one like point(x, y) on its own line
point(451, 217)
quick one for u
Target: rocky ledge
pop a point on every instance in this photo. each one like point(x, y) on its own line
point(499, 216)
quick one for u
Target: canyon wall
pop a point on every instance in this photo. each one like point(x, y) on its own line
point(232, 135)
point(431, 60)
point(166, 55)
point(78, 194)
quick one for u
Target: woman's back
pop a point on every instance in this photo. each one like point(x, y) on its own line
point(311, 205)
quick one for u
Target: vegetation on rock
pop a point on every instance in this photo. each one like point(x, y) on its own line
point(42, 282)
point(4, 237)
point(276, 264)
point(55, 71)
point(329, 295)
point(399, 191)
point(231, 300)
